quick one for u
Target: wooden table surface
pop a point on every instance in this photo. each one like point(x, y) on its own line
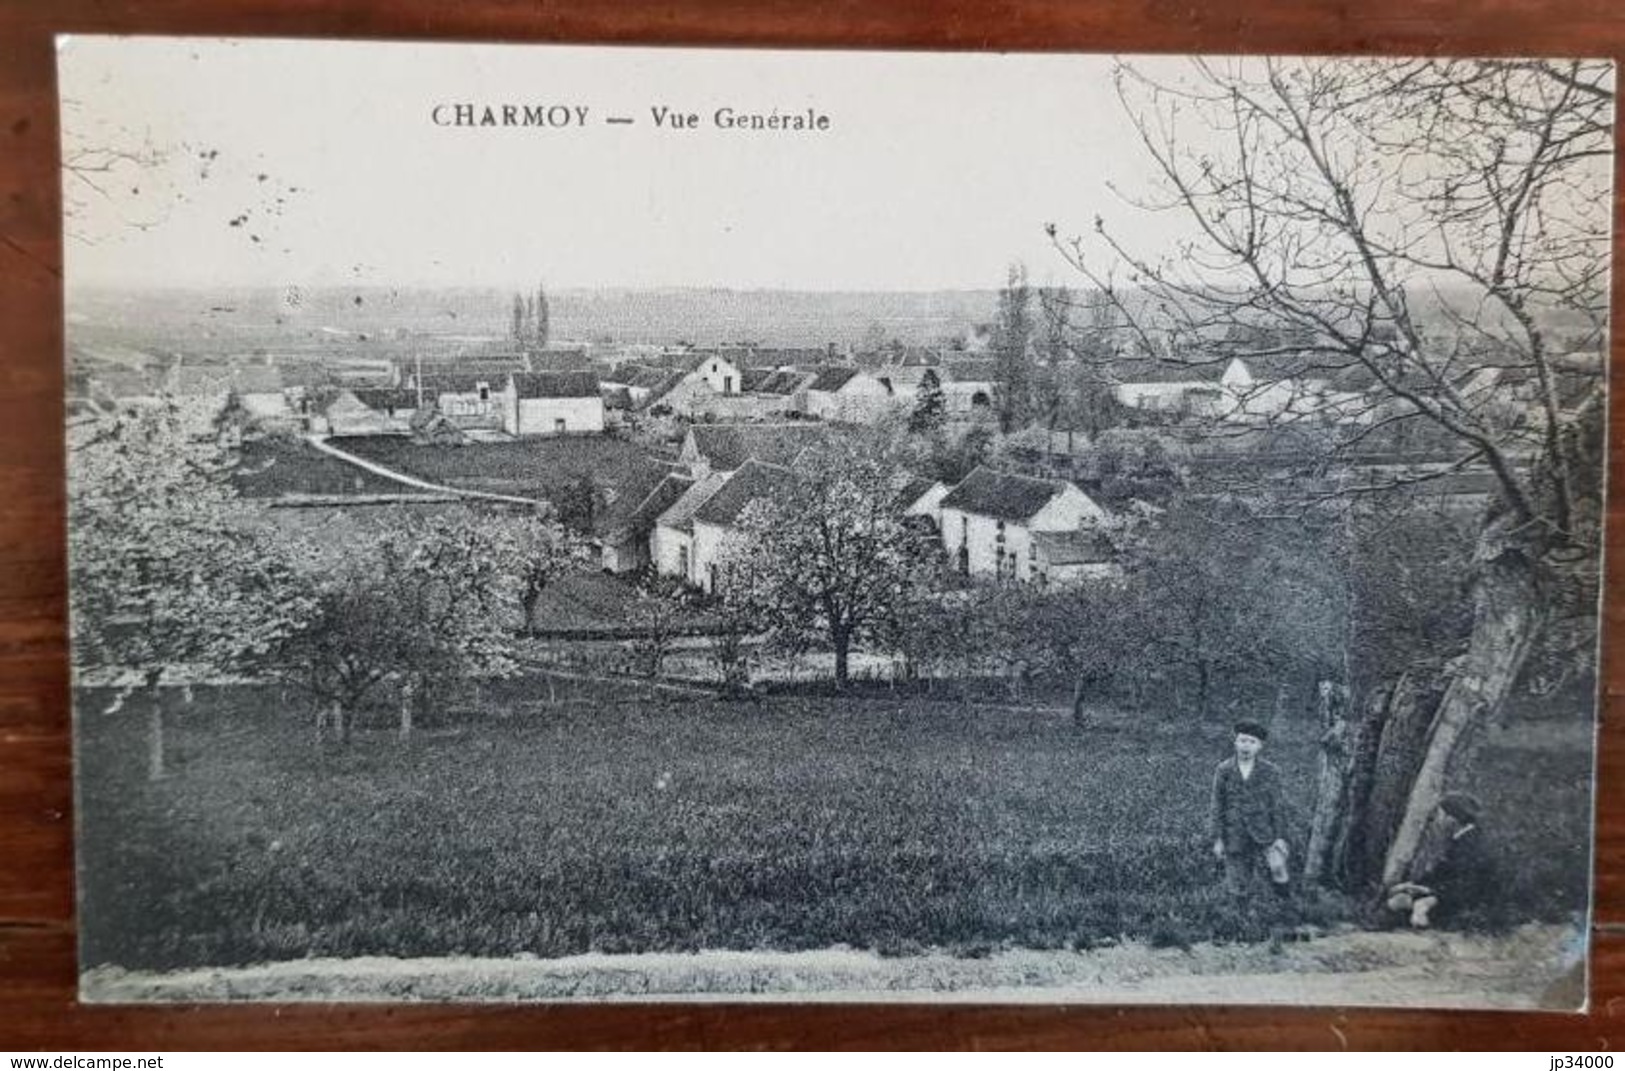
point(37, 1008)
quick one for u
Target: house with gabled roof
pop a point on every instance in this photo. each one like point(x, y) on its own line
point(624, 529)
point(644, 384)
point(726, 447)
point(704, 378)
point(717, 518)
point(989, 520)
point(922, 497)
point(552, 403)
point(1169, 386)
point(847, 393)
point(671, 544)
point(371, 411)
point(469, 400)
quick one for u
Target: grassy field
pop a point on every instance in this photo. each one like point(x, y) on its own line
point(268, 468)
point(527, 466)
point(617, 821)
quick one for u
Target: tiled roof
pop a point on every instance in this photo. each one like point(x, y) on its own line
point(1002, 495)
point(913, 491)
point(751, 379)
point(785, 381)
point(728, 446)
point(488, 368)
point(1073, 548)
point(646, 495)
point(680, 514)
point(1169, 371)
point(460, 384)
point(755, 480)
point(383, 400)
point(556, 384)
point(832, 379)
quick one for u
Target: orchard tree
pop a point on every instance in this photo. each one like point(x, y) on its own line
point(1437, 234)
point(357, 637)
point(659, 607)
point(455, 584)
point(428, 602)
point(1230, 598)
point(170, 580)
point(538, 550)
point(827, 555)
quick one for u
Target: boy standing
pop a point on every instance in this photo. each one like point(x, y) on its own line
point(1249, 815)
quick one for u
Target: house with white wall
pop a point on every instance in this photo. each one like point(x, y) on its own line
point(671, 543)
point(468, 400)
point(847, 394)
point(704, 378)
point(717, 518)
point(624, 531)
point(371, 411)
point(989, 520)
point(1174, 386)
point(923, 498)
point(552, 403)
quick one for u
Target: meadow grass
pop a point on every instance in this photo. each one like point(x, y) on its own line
point(543, 465)
point(614, 820)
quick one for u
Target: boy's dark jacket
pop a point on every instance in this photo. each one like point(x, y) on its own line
point(1248, 810)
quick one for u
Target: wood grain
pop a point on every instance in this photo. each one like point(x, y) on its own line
point(37, 1007)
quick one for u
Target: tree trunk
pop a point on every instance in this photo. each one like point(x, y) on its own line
point(1507, 617)
point(408, 693)
point(1078, 692)
point(1335, 761)
point(1395, 738)
point(1367, 736)
point(341, 727)
point(155, 733)
point(842, 643)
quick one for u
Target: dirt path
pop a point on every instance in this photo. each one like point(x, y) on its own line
point(326, 447)
point(1534, 967)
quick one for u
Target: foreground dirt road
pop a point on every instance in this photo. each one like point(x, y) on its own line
point(1534, 967)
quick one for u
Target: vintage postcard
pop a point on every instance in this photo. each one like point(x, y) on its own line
point(563, 523)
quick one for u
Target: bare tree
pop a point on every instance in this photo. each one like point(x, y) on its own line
point(1431, 239)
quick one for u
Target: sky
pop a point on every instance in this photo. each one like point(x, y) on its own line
point(936, 172)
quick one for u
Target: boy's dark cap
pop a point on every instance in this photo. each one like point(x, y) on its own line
point(1460, 806)
point(1255, 729)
